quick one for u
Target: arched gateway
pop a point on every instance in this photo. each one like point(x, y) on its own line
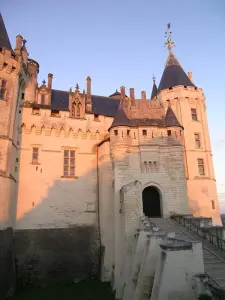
point(151, 202)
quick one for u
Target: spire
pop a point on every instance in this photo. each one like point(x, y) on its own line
point(4, 38)
point(154, 88)
point(171, 119)
point(120, 119)
point(173, 74)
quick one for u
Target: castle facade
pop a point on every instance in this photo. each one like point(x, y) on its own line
point(78, 170)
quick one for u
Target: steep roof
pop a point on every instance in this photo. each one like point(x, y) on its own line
point(173, 74)
point(4, 38)
point(100, 105)
point(154, 90)
point(171, 119)
point(120, 119)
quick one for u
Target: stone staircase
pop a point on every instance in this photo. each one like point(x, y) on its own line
point(214, 258)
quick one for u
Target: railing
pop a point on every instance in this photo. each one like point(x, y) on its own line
point(210, 285)
point(214, 239)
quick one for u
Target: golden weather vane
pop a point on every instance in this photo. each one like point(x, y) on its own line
point(168, 35)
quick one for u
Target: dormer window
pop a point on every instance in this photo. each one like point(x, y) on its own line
point(2, 88)
point(42, 99)
point(76, 110)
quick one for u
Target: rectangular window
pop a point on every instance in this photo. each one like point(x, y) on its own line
point(213, 204)
point(22, 96)
point(128, 132)
point(194, 114)
point(2, 89)
point(197, 140)
point(69, 163)
point(55, 113)
point(169, 132)
point(35, 155)
point(201, 169)
point(116, 132)
point(144, 132)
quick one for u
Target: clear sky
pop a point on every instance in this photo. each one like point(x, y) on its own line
point(121, 42)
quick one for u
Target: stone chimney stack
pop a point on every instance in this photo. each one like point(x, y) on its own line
point(122, 91)
point(190, 76)
point(24, 52)
point(88, 87)
point(50, 76)
point(19, 40)
point(132, 96)
point(143, 95)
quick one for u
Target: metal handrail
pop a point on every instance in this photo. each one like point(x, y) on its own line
point(212, 238)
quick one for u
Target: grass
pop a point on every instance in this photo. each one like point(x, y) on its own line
point(85, 290)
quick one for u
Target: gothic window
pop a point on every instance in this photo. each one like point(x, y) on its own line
point(2, 89)
point(194, 114)
point(42, 99)
point(73, 109)
point(197, 140)
point(76, 110)
point(201, 168)
point(35, 155)
point(69, 163)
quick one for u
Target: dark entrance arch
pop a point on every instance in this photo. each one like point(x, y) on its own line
point(151, 202)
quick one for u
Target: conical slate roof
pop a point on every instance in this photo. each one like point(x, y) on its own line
point(171, 119)
point(173, 74)
point(120, 119)
point(4, 38)
point(154, 91)
point(115, 94)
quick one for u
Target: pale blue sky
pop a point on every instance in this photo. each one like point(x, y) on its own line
point(122, 43)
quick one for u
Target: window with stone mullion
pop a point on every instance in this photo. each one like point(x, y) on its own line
point(69, 163)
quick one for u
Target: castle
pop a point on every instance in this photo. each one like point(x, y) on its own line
point(77, 170)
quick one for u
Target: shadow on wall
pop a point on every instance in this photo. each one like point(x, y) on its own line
point(62, 241)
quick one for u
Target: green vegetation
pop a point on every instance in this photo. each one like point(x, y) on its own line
point(85, 290)
point(204, 297)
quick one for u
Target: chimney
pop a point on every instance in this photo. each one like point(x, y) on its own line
point(50, 76)
point(132, 96)
point(24, 52)
point(19, 40)
point(88, 87)
point(190, 76)
point(122, 91)
point(143, 95)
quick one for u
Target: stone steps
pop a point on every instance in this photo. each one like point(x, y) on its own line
point(214, 259)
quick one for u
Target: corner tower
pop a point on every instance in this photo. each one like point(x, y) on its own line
point(177, 90)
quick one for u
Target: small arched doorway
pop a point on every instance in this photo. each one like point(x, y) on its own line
point(151, 202)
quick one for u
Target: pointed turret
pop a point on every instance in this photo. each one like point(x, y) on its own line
point(4, 38)
point(154, 88)
point(173, 74)
point(171, 119)
point(120, 119)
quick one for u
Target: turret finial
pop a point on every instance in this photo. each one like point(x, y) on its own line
point(43, 82)
point(77, 87)
point(153, 78)
point(168, 35)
